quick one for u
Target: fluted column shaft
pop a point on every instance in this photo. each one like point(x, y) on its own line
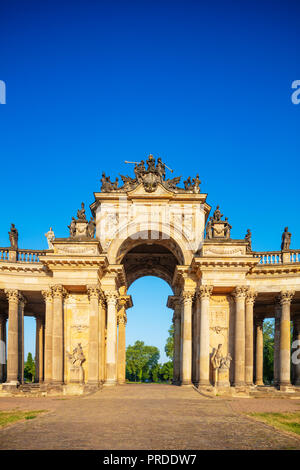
point(48, 350)
point(122, 320)
point(111, 364)
point(239, 340)
point(285, 337)
point(187, 338)
point(177, 337)
point(259, 360)
point(204, 294)
point(57, 346)
point(2, 347)
point(93, 351)
point(296, 352)
point(13, 336)
point(250, 298)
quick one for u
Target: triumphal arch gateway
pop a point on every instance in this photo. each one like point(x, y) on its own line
point(149, 225)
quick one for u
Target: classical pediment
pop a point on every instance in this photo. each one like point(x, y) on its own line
point(158, 191)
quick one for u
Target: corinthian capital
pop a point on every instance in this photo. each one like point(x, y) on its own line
point(251, 296)
point(240, 292)
point(93, 292)
point(12, 295)
point(205, 292)
point(286, 296)
point(47, 295)
point(187, 297)
point(111, 297)
point(58, 291)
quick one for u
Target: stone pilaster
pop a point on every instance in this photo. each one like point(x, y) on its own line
point(102, 341)
point(186, 364)
point(259, 360)
point(249, 353)
point(3, 319)
point(177, 340)
point(48, 351)
point(296, 352)
point(285, 338)
point(239, 340)
point(13, 337)
point(111, 363)
point(58, 329)
point(204, 294)
point(93, 352)
point(121, 354)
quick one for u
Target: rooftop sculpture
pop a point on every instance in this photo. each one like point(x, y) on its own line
point(216, 228)
point(150, 177)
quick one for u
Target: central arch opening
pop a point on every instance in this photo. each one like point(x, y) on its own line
point(149, 267)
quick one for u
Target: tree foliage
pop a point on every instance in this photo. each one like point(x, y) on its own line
point(169, 347)
point(29, 368)
point(140, 359)
point(268, 336)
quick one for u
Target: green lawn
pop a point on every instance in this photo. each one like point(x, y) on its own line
point(285, 421)
point(9, 417)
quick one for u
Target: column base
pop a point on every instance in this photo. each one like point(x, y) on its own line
point(259, 382)
point(239, 384)
point(186, 383)
point(110, 383)
point(10, 386)
point(286, 387)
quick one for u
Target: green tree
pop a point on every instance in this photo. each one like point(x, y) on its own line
point(166, 371)
point(169, 347)
point(140, 359)
point(29, 368)
point(268, 335)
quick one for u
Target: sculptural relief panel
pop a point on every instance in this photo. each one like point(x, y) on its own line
point(76, 327)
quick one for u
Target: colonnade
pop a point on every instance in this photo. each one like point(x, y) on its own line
point(107, 327)
point(106, 342)
point(194, 367)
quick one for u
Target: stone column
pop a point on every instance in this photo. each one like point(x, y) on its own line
point(204, 294)
point(259, 360)
point(39, 350)
point(277, 315)
point(187, 338)
point(296, 352)
point(13, 335)
point(249, 353)
point(177, 338)
point(48, 360)
point(239, 336)
point(3, 319)
point(21, 307)
point(122, 320)
point(93, 351)
point(102, 326)
point(285, 338)
point(58, 335)
point(111, 365)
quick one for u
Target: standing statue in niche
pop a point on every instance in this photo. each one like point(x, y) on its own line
point(286, 239)
point(50, 237)
point(216, 362)
point(76, 359)
point(13, 237)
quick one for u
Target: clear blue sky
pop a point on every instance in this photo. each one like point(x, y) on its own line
point(205, 85)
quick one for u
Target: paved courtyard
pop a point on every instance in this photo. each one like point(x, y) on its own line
point(145, 417)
